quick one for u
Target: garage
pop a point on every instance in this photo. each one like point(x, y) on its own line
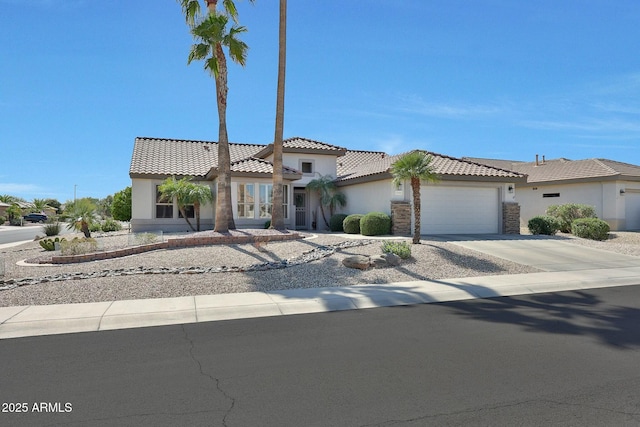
point(459, 210)
point(632, 209)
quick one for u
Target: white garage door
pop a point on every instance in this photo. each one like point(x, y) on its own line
point(459, 210)
point(632, 209)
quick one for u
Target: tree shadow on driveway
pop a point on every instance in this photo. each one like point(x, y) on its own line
point(575, 313)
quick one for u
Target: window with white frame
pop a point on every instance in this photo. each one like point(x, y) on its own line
point(266, 200)
point(246, 201)
point(164, 207)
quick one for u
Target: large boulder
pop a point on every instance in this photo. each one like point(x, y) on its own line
point(392, 259)
point(360, 262)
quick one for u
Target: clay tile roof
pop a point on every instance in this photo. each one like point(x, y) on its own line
point(353, 159)
point(166, 157)
point(443, 166)
point(572, 170)
point(253, 165)
point(303, 145)
point(309, 144)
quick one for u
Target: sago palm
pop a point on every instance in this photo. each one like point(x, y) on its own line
point(414, 167)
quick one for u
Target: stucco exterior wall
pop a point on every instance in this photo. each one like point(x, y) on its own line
point(373, 196)
point(605, 197)
point(143, 210)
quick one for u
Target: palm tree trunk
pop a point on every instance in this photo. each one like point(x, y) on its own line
point(184, 215)
point(415, 189)
point(196, 210)
point(277, 214)
point(223, 219)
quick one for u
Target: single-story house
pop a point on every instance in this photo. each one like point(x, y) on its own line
point(612, 187)
point(470, 197)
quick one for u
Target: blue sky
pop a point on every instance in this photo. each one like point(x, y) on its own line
point(80, 79)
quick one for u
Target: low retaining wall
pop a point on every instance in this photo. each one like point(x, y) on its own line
point(175, 243)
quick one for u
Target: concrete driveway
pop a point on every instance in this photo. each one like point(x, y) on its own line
point(545, 253)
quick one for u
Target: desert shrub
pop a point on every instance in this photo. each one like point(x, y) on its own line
point(402, 249)
point(52, 228)
point(50, 244)
point(2, 220)
point(110, 224)
point(375, 224)
point(78, 246)
point(351, 224)
point(543, 224)
point(95, 227)
point(335, 222)
point(590, 228)
point(569, 212)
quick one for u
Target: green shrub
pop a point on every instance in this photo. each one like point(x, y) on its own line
point(50, 244)
point(111, 225)
point(52, 228)
point(78, 246)
point(95, 226)
point(375, 224)
point(402, 249)
point(543, 224)
point(568, 212)
point(590, 228)
point(351, 224)
point(2, 220)
point(335, 223)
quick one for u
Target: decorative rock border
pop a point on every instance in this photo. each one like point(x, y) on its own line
point(172, 244)
point(306, 257)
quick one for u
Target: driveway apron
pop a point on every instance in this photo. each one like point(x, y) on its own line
point(544, 253)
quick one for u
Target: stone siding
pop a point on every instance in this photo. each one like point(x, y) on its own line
point(510, 218)
point(401, 218)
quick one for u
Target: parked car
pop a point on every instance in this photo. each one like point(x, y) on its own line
point(35, 217)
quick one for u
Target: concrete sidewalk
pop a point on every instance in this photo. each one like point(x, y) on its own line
point(25, 321)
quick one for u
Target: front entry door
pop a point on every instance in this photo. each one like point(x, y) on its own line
point(300, 202)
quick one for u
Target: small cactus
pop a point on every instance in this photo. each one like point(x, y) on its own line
point(50, 244)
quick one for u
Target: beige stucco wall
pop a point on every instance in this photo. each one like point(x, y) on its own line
point(605, 197)
point(143, 208)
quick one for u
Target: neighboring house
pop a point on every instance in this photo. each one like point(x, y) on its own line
point(3, 209)
point(612, 187)
point(470, 198)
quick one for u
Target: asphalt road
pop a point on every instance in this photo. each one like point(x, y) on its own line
point(12, 234)
point(566, 359)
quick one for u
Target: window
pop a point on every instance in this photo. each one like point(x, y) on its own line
point(164, 208)
point(189, 210)
point(266, 200)
point(306, 166)
point(246, 201)
point(551, 195)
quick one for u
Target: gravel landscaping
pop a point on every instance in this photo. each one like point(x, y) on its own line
point(312, 262)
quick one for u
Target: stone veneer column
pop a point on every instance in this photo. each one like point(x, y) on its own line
point(510, 218)
point(401, 218)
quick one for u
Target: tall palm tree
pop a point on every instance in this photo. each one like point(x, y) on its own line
point(414, 167)
point(327, 192)
point(212, 34)
point(277, 214)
